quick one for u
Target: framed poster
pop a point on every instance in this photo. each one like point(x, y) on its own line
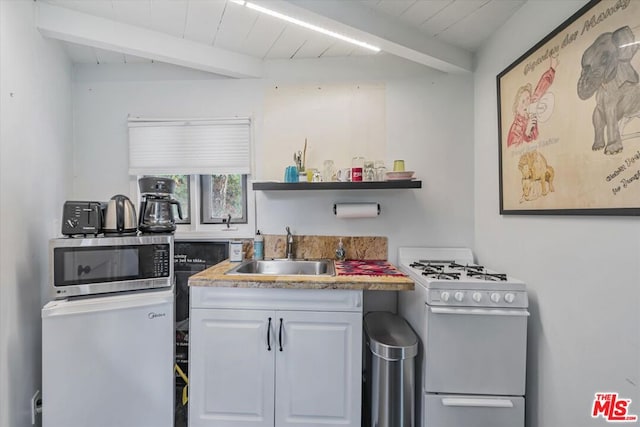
point(569, 117)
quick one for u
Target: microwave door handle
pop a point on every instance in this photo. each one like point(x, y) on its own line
point(477, 403)
point(479, 311)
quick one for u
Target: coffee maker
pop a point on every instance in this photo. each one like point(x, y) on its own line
point(156, 207)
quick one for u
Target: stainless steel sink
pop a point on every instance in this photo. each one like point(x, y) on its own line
point(286, 267)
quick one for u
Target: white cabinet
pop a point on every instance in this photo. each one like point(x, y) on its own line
point(275, 357)
point(318, 371)
point(231, 373)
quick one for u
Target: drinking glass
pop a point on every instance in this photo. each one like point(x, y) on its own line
point(369, 172)
point(310, 172)
point(328, 171)
point(381, 170)
point(291, 174)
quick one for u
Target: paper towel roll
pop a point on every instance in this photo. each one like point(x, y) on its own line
point(356, 210)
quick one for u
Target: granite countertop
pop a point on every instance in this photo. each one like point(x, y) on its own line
point(215, 276)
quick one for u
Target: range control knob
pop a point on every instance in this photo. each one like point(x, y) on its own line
point(444, 296)
point(495, 297)
point(459, 296)
point(477, 296)
point(509, 297)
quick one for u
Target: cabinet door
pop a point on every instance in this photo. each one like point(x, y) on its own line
point(231, 369)
point(318, 371)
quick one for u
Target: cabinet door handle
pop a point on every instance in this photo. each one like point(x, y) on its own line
point(280, 334)
point(269, 335)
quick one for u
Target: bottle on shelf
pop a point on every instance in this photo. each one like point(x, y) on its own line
point(340, 252)
point(258, 246)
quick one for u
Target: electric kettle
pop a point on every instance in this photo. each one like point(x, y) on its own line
point(120, 217)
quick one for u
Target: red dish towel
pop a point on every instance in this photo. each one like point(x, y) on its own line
point(366, 268)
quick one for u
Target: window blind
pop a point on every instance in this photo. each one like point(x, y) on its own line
point(189, 147)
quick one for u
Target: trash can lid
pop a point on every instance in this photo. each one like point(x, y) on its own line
point(389, 336)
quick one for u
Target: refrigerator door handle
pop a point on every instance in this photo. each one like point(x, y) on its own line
point(469, 402)
point(121, 301)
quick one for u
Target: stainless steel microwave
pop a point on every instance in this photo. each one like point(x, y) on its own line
point(87, 266)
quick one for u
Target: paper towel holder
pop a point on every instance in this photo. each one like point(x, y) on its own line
point(335, 208)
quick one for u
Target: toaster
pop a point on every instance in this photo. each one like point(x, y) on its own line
point(81, 218)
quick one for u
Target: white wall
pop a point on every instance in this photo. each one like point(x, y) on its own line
point(35, 178)
point(583, 273)
point(429, 124)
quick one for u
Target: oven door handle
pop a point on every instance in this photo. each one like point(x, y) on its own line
point(479, 311)
point(477, 403)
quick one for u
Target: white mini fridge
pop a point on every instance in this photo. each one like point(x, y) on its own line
point(108, 361)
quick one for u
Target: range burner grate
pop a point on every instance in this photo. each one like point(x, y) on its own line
point(427, 266)
point(466, 267)
point(456, 270)
point(442, 275)
point(496, 277)
point(435, 261)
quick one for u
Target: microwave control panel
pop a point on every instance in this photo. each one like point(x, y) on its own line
point(161, 262)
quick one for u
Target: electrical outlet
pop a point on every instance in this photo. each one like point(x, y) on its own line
point(36, 406)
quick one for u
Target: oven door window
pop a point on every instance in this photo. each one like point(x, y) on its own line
point(479, 351)
point(75, 266)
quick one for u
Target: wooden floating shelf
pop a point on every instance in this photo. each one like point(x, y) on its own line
point(366, 185)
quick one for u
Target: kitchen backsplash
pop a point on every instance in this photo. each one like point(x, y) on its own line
point(365, 247)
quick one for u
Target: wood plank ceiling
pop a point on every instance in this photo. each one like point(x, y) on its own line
point(462, 24)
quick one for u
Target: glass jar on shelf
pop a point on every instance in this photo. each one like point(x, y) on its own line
point(368, 171)
point(381, 170)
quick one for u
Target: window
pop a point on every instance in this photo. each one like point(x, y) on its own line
point(221, 197)
point(210, 161)
point(224, 198)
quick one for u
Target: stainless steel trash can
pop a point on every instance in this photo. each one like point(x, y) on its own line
point(390, 382)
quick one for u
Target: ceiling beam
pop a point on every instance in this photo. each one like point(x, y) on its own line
point(364, 23)
point(88, 30)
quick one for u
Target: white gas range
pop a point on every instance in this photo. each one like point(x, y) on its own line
point(472, 323)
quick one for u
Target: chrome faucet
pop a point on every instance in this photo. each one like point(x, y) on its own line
point(289, 244)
